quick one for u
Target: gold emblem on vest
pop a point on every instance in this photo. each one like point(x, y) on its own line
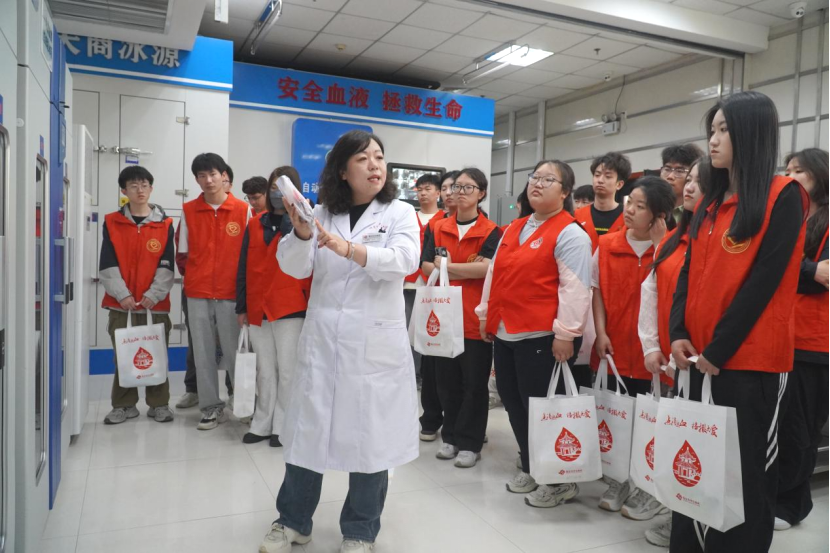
point(472, 258)
point(734, 247)
point(233, 229)
point(153, 245)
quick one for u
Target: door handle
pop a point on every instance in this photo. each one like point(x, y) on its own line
point(130, 151)
point(101, 149)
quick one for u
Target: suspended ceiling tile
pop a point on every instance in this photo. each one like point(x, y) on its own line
point(505, 86)
point(498, 28)
point(644, 56)
point(301, 17)
point(622, 37)
point(480, 93)
point(575, 82)
point(442, 61)
point(562, 63)
point(289, 36)
point(425, 73)
point(607, 48)
point(708, 6)
point(415, 37)
point(759, 18)
point(468, 46)
point(310, 59)
point(441, 18)
point(382, 9)
point(545, 92)
point(358, 27)
point(330, 5)
point(394, 52)
point(516, 101)
point(279, 54)
point(781, 8)
point(325, 42)
point(552, 40)
point(603, 68)
point(533, 76)
point(584, 29)
point(370, 66)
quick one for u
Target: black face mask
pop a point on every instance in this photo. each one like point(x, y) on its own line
point(276, 198)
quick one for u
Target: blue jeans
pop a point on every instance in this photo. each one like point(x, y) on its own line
point(360, 517)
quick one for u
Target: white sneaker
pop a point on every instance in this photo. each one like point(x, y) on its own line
point(519, 462)
point(550, 496)
point(614, 497)
point(356, 546)
point(642, 505)
point(660, 535)
point(522, 483)
point(781, 524)
point(467, 459)
point(280, 538)
point(447, 451)
point(426, 436)
point(212, 418)
point(189, 399)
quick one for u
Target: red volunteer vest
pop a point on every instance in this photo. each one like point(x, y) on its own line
point(414, 276)
point(811, 320)
point(138, 250)
point(214, 240)
point(719, 267)
point(269, 291)
point(524, 292)
point(621, 273)
point(667, 273)
point(466, 250)
point(583, 217)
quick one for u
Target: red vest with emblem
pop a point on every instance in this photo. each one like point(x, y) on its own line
point(667, 273)
point(138, 250)
point(466, 250)
point(419, 273)
point(583, 217)
point(524, 291)
point(214, 240)
point(719, 267)
point(270, 292)
point(621, 273)
point(811, 320)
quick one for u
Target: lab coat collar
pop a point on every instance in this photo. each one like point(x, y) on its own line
point(343, 224)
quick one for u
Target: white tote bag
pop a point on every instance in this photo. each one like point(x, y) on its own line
point(562, 434)
point(437, 324)
point(615, 420)
point(642, 442)
point(244, 377)
point(141, 352)
point(697, 461)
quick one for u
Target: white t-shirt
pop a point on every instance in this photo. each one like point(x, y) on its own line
point(640, 247)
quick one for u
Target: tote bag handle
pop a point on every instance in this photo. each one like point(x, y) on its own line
point(244, 345)
point(570, 384)
point(655, 386)
point(130, 318)
point(620, 383)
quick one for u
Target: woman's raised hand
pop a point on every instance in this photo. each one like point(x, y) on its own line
point(301, 228)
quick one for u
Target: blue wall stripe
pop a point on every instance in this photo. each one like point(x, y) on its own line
point(102, 361)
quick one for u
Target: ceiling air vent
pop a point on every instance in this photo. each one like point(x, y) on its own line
point(142, 15)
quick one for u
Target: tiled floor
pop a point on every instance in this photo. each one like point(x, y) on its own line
point(143, 486)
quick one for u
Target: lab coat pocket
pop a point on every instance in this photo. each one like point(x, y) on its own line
point(385, 344)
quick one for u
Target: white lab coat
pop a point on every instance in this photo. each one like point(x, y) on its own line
point(353, 404)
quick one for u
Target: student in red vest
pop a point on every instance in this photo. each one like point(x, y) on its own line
point(433, 416)
point(621, 264)
point(656, 295)
point(536, 299)
point(210, 239)
point(462, 381)
point(136, 269)
point(804, 412)
point(273, 304)
point(605, 215)
point(734, 305)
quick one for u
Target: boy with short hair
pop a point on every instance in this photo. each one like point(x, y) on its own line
point(136, 269)
point(255, 190)
point(605, 215)
point(210, 239)
point(583, 196)
point(677, 161)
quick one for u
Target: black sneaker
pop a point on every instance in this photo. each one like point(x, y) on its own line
point(251, 438)
point(275, 441)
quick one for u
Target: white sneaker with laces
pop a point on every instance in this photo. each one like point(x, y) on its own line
point(160, 414)
point(550, 496)
point(522, 483)
point(189, 399)
point(660, 535)
point(614, 497)
point(447, 451)
point(467, 459)
point(781, 524)
point(280, 538)
point(212, 418)
point(641, 505)
point(356, 546)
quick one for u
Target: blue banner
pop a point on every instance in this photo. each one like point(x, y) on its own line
point(275, 89)
point(311, 142)
point(208, 65)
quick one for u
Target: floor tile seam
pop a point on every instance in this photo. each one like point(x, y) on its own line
point(605, 545)
point(80, 510)
point(165, 462)
point(496, 530)
point(262, 476)
point(141, 526)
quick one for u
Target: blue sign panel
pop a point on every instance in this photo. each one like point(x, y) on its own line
point(275, 89)
point(312, 140)
point(208, 65)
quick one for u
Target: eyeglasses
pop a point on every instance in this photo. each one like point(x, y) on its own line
point(466, 189)
point(542, 182)
point(136, 187)
point(679, 171)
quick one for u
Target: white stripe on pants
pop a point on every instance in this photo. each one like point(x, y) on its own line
point(275, 344)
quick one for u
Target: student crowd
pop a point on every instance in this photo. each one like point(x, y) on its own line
point(717, 257)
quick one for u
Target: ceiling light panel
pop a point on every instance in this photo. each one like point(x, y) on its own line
point(519, 55)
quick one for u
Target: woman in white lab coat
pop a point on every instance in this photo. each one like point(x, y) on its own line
point(353, 405)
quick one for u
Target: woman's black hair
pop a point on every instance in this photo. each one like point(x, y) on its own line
point(704, 174)
point(752, 121)
point(334, 192)
point(525, 209)
point(478, 177)
point(814, 161)
point(660, 198)
point(567, 183)
point(285, 170)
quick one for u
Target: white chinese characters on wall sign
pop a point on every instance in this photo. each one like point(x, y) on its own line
point(129, 51)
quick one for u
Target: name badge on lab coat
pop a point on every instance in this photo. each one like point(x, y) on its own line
point(372, 237)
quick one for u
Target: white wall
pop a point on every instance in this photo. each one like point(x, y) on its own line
point(261, 141)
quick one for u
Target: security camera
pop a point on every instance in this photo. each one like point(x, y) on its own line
point(797, 9)
point(606, 77)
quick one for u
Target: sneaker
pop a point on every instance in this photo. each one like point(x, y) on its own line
point(120, 414)
point(522, 483)
point(660, 535)
point(447, 451)
point(519, 462)
point(212, 418)
point(356, 546)
point(781, 524)
point(427, 436)
point(188, 400)
point(467, 459)
point(642, 505)
point(251, 438)
point(280, 538)
point(160, 414)
point(614, 497)
point(274, 441)
point(494, 401)
point(550, 496)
